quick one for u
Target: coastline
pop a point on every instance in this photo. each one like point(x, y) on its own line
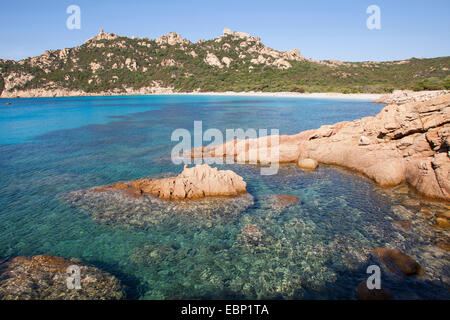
point(406, 142)
point(398, 96)
point(168, 92)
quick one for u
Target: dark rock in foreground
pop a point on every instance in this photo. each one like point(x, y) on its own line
point(45, 278)
point(363, 293)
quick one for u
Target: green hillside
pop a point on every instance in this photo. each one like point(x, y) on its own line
point(108, 62)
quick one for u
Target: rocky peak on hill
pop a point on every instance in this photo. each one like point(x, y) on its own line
point(103, 36)
point(254, 44)
point(240, 35)
point(172, 39)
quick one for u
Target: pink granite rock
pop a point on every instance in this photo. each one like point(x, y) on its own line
point(407, 142)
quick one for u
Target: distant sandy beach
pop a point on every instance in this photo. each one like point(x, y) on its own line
point(319, 95)
point(39, 93)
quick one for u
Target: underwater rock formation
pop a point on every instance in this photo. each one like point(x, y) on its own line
point(283, 200)
point(396, 261)
point(44, 277)
point(252, 234)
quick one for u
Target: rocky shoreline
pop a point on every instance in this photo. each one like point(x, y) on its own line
point(59, 93)
point(406, 142)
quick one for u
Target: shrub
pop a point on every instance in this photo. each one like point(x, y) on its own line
point(447, 83)
point(297, 89)
point(433, 84)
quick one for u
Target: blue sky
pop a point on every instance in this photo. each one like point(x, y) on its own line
point(321, 29)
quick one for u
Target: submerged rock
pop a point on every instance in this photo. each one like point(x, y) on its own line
point(252, 234)
point(275, 204)
point(284, 200)
point(111, 206)
point(396, 261)
point(403, 225)
point(45, 278)
point(443, 223)
point(443, 244)
point(152, 254)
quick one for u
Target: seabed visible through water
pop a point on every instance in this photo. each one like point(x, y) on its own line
point(54, 150)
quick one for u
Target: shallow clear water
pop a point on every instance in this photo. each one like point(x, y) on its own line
point(316, 249)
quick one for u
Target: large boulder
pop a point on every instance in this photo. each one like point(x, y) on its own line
point(307, 164)
point(193, 183)
point(396, 261)
point(220, 195)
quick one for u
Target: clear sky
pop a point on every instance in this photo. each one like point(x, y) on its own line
point(321, 29)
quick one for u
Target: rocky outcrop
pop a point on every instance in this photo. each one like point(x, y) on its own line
point(201, 194)
point(405, 96)
point(16, 79)
point(262, 54)
point(227, 61)
point(212, 60)
point(193, 183)
point(172, 39)
point(45, 278)
point(155, 88)
point(240, 35)
point(103, 36)
point(403, 143)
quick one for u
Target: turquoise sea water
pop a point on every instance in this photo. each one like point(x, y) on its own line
point(315, 249)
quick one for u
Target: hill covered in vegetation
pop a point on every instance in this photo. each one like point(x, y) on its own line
point(234, 61)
